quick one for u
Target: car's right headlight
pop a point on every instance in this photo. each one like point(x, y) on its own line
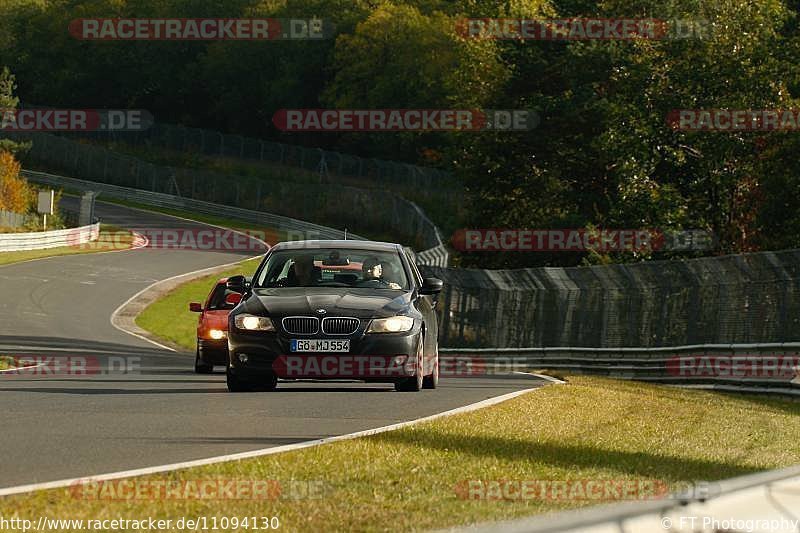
point(253, 323)
point(393, 324)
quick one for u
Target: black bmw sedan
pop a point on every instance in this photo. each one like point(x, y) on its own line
point(355, 310)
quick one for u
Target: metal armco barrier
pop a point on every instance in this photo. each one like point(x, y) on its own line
point(316, 160)
point(765, 496)
point(15, 242)
point(730, 367)
point(281, 191)
point(734, 299)
point(156, 199)
point(658, 364)
point(436, 256)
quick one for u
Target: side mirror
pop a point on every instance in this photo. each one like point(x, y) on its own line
point(237, 284)
point(431, 286)
point(195, 307)
point(233, 298)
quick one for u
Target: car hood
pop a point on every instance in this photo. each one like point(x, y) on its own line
point(361, 303)
point(216, 319)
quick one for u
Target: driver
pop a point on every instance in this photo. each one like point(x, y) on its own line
point(304, 271)
point(372, 270)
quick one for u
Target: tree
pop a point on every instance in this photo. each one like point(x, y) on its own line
point(8, 103)
point(15, 194)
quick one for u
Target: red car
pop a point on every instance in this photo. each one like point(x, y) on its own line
point(212, 327)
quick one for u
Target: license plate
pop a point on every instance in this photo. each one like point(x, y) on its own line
point(320, 345)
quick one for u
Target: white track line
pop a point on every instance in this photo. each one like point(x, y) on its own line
point(258, 453)
point(551, 379)
point(18, 368)
point(131, 248)
point(190, 274)
point(197, 273)
point(255, 453)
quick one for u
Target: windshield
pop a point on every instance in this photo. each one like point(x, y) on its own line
point(217, 301)
point(334, 268)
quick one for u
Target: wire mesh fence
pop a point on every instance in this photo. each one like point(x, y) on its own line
point(750, 298)
point(733, 299)
point(376, 213)
point(12, 220)
point(327, 164)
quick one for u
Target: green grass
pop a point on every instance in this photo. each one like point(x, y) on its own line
point(439, 202)
point(111, 238)
point(198, 217)
point(590, 429)
point(169, 316)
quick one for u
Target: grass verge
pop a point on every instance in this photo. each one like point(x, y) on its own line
point(197, 217)
point(169, 316)
point(589, 429)
point(111, 238)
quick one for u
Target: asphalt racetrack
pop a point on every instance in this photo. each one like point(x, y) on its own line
point(67, 426)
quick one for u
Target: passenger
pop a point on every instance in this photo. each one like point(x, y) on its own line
point(389, 274)
point(303, 273)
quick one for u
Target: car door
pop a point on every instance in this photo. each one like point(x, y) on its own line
point(426, 305)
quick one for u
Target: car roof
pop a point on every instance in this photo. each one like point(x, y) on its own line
point(340, 244)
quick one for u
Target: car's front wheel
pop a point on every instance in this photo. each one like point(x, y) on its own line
point(432, 381)
point(414, 383)
point(270, 383)
point(201, 367)
point(236, 384)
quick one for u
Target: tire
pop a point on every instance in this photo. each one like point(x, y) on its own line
point(270, 384)
point(432, 381)
point(200, 367)
point(235, 384)
point(413, 384)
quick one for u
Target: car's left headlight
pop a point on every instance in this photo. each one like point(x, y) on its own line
point(217, 334)
point(393, 324)
point(253, 323)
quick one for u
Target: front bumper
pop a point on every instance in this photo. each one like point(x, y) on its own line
point(372, 357)
point(213, 352)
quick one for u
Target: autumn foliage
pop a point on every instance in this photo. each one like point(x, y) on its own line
point(15, 193)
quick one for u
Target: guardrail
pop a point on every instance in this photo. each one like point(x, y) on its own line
point(767, 367)
point(316, 160)
point(435, 256)
point(9, 219)
point(377, 210)
point(15, 242)
point(733, 299)
point(163, 200)
point(741, 502)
